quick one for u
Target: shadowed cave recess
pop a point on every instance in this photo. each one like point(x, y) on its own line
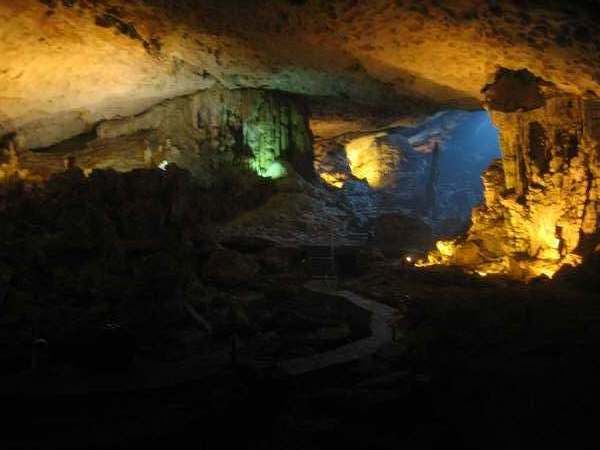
point(317, 223)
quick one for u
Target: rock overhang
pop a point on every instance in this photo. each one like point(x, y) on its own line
point(69, 64)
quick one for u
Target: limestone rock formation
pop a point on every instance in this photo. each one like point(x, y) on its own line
point(514, 91)
point(374, 172)
point(387, 171)
point(200, 132)
point(112, 83)
point(67, 65)
point(373, 159)
point(298, 213)
point(541, 201)
point(217, 126)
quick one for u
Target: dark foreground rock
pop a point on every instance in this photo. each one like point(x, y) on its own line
point(230, 268)
point(396, 234)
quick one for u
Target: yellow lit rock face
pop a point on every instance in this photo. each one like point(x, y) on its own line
point(542, 200)
point(444, 251)
point(371, 159)
point(551, 185)
point(333, 179)
point(67, 64)
point(10, 167)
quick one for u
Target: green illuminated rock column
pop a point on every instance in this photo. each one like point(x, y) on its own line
point(276, 132)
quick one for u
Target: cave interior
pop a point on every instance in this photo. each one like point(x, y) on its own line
point(299, 224)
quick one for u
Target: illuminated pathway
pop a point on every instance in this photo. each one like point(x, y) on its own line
point(382, 317)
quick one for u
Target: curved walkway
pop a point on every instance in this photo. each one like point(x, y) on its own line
point(170, 374)
point(382, 317)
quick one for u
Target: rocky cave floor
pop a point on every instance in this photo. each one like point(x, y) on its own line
point(475, 361)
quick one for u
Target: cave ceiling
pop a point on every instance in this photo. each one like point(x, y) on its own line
point(76, 62)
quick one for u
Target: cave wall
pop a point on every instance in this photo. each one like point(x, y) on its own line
point(202, 132)
point(217, 126)
point(541, 200)
point(68, 64)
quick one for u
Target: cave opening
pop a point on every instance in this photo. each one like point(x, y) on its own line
point(429, 173)
point(458, 147)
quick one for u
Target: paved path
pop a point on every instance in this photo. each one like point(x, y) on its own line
point(382, 317)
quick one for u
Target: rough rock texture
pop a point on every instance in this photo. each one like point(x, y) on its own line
point(298, 212)
point(70, 65)
point(74, 63)
point(376, 173)
point(332, 118)
point(388, 171)
point(371, 157)
point(541, 203)
point(514, 91)
point(217, 126)
point(200, 132)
